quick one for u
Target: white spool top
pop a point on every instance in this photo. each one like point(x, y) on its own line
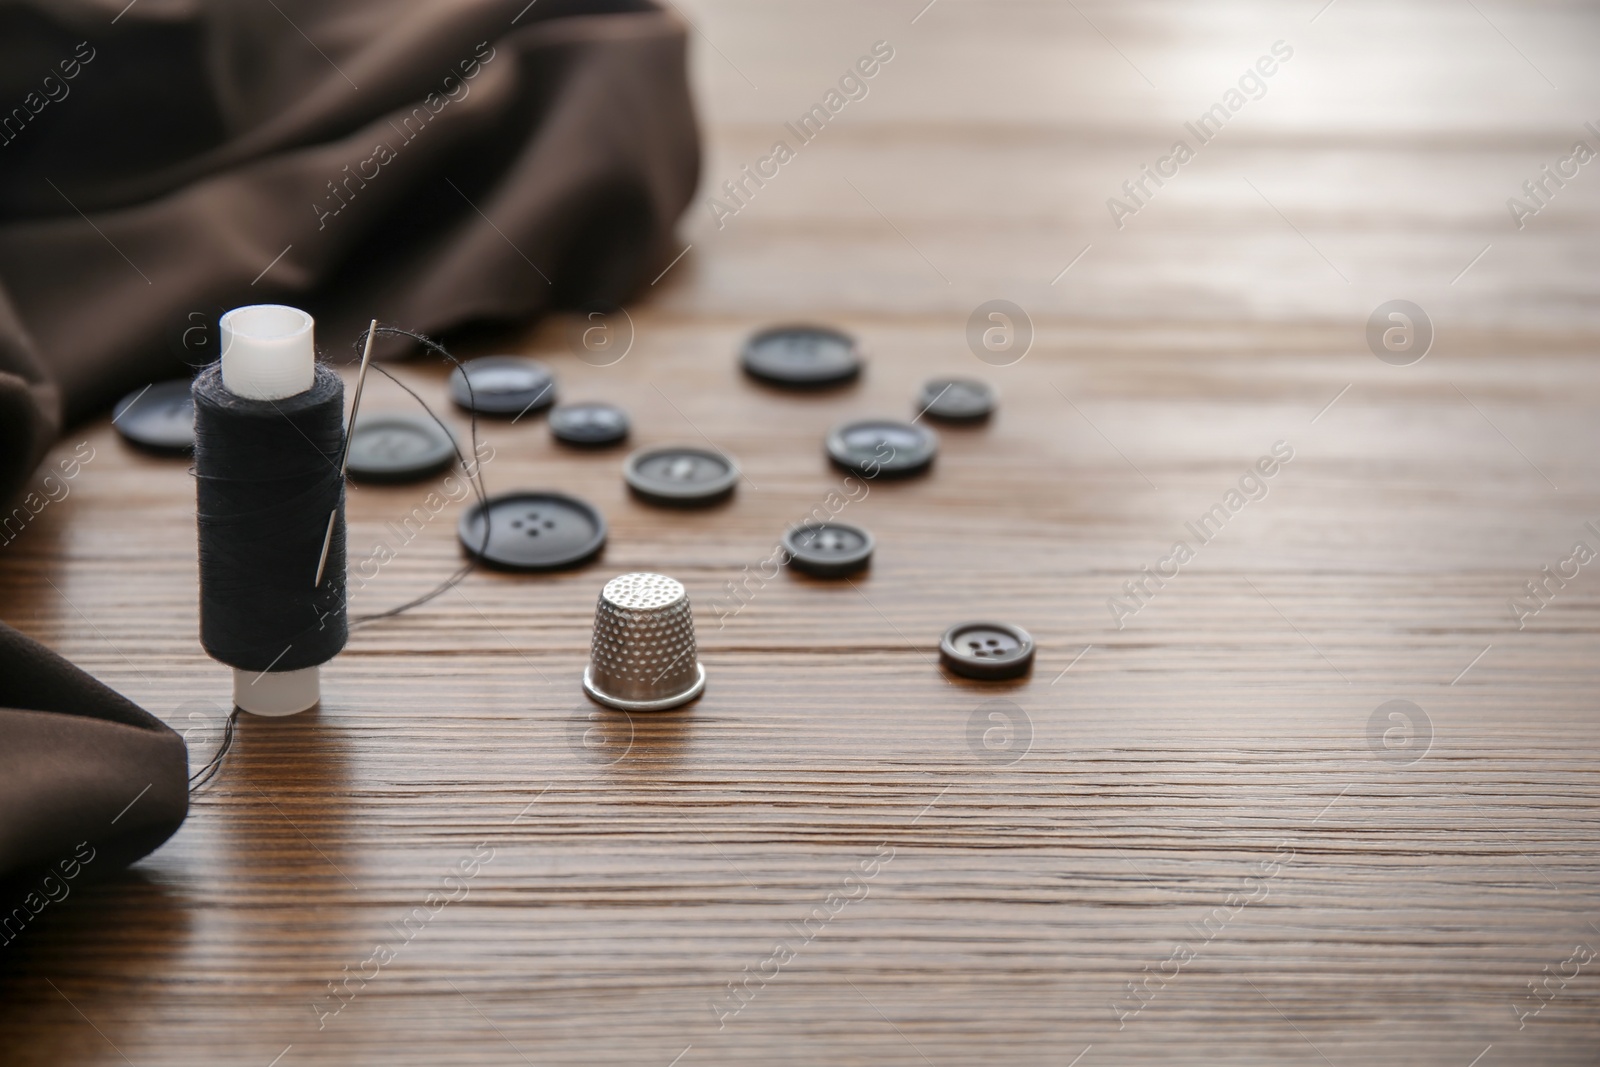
point(268, 351)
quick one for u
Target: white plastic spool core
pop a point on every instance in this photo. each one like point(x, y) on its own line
point(277, 692)
point(269, 352)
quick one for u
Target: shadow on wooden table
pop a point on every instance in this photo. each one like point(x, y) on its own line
point(84, 965)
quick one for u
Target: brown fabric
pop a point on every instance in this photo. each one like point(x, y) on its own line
point(503, 158)
point(84, 772)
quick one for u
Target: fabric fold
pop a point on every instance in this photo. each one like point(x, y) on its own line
point(431, 163)
point(83, 770)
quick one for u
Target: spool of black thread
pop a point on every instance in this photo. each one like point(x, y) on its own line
point(268, 479)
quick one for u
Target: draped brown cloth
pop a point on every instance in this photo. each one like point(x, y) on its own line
point(89, 781)
point(430, 163)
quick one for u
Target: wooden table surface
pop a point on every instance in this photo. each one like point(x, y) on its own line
point(1199, 801)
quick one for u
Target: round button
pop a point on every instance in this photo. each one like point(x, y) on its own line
point(532, 531)
point(503, 385)
point(680, 475)
point(987, 650)
point(802, 357)
point(882, 446)
point(398, 448)
point(828, 549)
point(956, 399)
point(158, 417)
point(591, 425)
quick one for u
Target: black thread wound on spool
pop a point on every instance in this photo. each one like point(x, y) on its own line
point(267, 476)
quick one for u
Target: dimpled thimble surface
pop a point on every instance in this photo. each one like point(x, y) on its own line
point(643, 654)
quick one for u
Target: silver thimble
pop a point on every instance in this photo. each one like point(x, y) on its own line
point(643, 654)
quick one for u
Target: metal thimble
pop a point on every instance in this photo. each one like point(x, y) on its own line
point(643, 654)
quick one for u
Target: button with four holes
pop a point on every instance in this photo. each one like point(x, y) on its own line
point(872, 447)
point(828, 549)
point(680, 475)
point(802, 357)
point(956, 399)
point(502, 385)
point(532, 531)
point(158, 417)
point(987, 650)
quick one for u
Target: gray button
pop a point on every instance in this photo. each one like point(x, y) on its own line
point(872, 447)
point(987, 650)
point(398, 448)
point(956, 399)
point(802, 357)
point(158, 417)
point(828, 549)
point(502, 385)
point(591, 425)
point(681, 475)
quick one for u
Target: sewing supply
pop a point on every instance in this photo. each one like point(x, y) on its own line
point(158, 417)
point(472, 469)
point(987, 651)
point(532, 531)
point(213, 766)
point(268, 439)
point(344, 453)
point(589, 425)
point(398, 447)
point(802, 357)
point(828, 549)
point(643, 654)
point(502, 385)
point(680, 475)
point(956, 399)
point(874, 447)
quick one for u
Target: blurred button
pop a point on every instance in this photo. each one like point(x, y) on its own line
point(158, 417)
point(828, 549)
point(591, 425)
point(398, 448)
point(802, 357)
point(680, 475)
point(502, 385)
point(882, 446)
point(956, 399)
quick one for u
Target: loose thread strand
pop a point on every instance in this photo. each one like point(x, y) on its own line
point(473, 469)
point(201, 778)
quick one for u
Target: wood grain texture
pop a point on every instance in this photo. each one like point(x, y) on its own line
point(1215, 748)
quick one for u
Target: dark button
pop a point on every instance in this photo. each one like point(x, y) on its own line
point(503, 385)
point(591, 425)
point(680, 475)
point(956, 399)
point(828, 549)
point(802, 357)
point(882, 446)
point(398, 448)
point(987, 650)
point(532, 531)
point(158, 417)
